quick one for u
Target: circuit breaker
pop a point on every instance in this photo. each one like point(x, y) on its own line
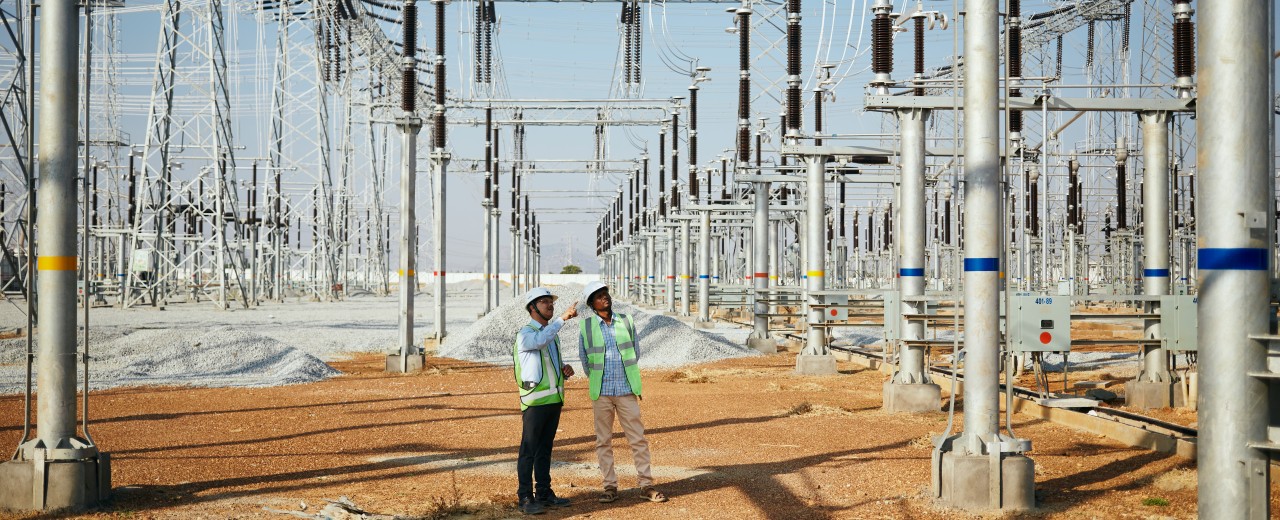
point(1039, 323)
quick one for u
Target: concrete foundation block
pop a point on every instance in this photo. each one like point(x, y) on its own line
point(887, 369)
point(702, 324)
point(967, 480)
point(74, 485)
point(416, 362)
point(917, 398)
point(1147, 395)
point(815, 365)
point(763, 345)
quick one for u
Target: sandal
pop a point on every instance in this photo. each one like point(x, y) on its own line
point(652, 495)
point(609, 495)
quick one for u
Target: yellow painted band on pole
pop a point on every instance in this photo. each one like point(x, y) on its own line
point(816, 273)
point(1001, 275)
point(401, 272)
point(685, 277)
point(56, 263)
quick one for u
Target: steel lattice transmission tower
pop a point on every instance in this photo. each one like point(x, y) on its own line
point(187, 167)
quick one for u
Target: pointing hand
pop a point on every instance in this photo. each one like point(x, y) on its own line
point(571, 313)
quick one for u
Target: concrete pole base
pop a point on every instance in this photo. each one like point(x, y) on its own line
point(967, 482)
point(1147, 395)
point(917, 398)
point(699, 324)
point(416, 362)
point(763, 345)
point(41, 485)
point(815, 364)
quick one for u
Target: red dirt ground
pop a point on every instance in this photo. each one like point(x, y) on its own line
point(726, 444)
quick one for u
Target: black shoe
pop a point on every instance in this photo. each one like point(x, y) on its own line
point(530, 506)
point(551, 500)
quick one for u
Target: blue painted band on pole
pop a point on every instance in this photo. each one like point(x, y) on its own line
point(913, 271)
point(981, 264)
point(1233, 259)
point(1153, 273)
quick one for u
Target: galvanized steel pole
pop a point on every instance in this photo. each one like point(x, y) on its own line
point(981, 469)
point(1155, 376)
point(982, 224)
point(650, 269)
point(56, 229)
point(409, 128)
point(912, 232)
point(816, 253)
point(408, 240)
point(686, 261)
point(671, 270)
point(910, 389)
point(485, 205)
point(440, 162)
point(760, 262)
point(1234, 130)
point(704, 267)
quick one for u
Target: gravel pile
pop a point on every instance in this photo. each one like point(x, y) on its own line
point(217, 357)
point(663, 341)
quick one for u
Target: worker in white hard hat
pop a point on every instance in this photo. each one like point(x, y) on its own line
point(540, 374)
point(610, 353)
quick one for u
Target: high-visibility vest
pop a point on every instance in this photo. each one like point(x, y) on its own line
point(624, 337)
point(549, 390)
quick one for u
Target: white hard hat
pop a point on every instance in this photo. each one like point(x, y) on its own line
point(591, 288)
point(535, 293)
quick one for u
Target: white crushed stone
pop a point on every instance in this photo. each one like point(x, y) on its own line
point(664, 341)
point(195, 344)
point(221, 356)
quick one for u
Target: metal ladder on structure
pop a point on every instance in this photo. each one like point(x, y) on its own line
point(1258, 488)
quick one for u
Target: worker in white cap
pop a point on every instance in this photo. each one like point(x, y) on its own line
point(540, 373)
point(608, 347)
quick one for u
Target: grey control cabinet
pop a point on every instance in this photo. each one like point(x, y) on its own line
point(1039, 323)
point(837, 309)
point(892, 315)
point(1178, 322)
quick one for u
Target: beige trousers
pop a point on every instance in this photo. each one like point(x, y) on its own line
point(627, 409)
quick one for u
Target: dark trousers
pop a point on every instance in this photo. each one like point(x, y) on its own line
point(540, 423)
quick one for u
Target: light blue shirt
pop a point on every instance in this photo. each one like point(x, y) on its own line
point(532, 342)
point(614, 382)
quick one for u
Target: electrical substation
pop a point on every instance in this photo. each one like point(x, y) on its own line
point(933, 258)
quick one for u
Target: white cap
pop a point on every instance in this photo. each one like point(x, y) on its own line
point(535, 293)
point(591, 288)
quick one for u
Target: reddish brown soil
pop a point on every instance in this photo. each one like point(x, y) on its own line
point(725, 445)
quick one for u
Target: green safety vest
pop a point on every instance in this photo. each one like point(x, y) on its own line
point(593, 338)
point(549, 390)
